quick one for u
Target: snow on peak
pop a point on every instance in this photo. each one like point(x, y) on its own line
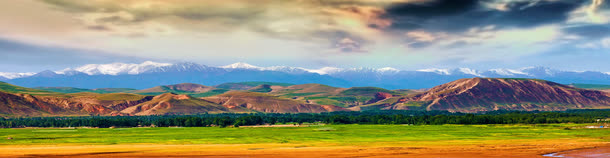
point(508, 72)
point(13, 75)
point(325, 70)
point(470, 71)
point(538, 71)
point(388, 69)
point(436, 70)
point(116, 68)
point(607, 73)
point(285, 69)
point(241, 65)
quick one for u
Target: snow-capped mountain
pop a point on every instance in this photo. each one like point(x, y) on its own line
point(321, 71)
point(116, 68)
point(241, 65)
point(466, 71)
point(149, 74)
point(325, 70)
point(508, 72)
point(10, 75)
point(437, 71)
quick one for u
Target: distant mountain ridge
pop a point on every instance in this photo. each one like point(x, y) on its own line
point(149, 74)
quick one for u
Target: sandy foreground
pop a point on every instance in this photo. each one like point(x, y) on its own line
point(512, 148)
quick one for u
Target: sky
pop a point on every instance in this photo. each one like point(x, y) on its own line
point(37, 35)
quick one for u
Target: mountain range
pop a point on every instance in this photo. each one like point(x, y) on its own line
point(149, 74)
point(463, 95)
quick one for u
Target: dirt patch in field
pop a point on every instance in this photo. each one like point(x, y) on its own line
point(512, 148)
point(288, 125)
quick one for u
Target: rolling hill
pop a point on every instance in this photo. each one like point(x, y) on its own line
point(175, 104)
point(268, 103)
point(248, 85)
point(6, 87)
point(464, 95)
point(195, 90)
point(485, 94)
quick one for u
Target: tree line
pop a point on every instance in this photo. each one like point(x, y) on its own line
point(353, 117)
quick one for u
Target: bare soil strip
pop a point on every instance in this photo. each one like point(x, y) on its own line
point(515, 148)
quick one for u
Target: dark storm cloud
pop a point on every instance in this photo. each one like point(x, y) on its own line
point(461, 15)
point(22, 57)
point(435, 8)
point(528, 14)
point(605, 5)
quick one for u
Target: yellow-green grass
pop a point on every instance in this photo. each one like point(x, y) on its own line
point(119, 96)
point(328, 134)
point(6, 87)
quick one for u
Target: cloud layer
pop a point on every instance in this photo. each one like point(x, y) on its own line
point(408, 34)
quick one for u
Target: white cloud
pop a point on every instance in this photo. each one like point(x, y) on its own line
point(605, 42)
point(421, 36)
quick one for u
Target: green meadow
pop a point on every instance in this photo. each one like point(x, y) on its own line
point(327, 134)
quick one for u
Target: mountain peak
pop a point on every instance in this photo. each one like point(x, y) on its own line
point(11, 75)
point(240, 65)
point(388, 69)
point(46, 73)
point(436, 70)
point(325, 70)
point(470, 71)
point(116, 68)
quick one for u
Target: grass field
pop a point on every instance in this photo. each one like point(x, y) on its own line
point(325, 141)
point(335, 134)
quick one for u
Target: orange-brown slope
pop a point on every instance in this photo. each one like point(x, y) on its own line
point(168, 103)
point(96, 104)
point(484, 94)
point(25, 105)
point(76, 104)
point(268, 103)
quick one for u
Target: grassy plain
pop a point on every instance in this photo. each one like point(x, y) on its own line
point(418, 141)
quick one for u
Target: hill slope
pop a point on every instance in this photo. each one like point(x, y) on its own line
point(169, 103)
point(195, 90)
point(484, 94)
point(248, 85)
point(268, 103)
point(24, 105)
point(5, 87)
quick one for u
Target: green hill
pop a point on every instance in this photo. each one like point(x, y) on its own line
point(6, 87)
point(365, 91)
point(248, 85)
point(194, 90)
point(590, 86)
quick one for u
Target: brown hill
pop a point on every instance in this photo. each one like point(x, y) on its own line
point(484, 94)
point(169, 103)
point(76, 104)
point(25, 105)
point(268, 103)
